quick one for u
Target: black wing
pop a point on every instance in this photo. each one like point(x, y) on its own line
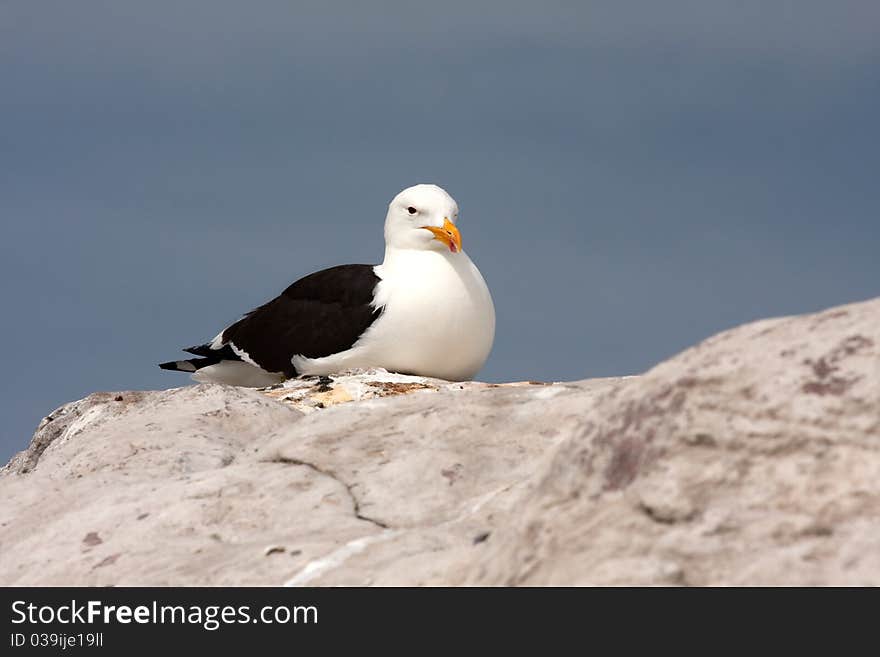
point(321, 314)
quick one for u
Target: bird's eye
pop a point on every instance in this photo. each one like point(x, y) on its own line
point(411, 210)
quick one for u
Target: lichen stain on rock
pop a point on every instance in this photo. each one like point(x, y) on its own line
point(636, 428)
point(626, 460)
point(106, 561)
point(395, 388)
point(836, 386)
point(825, 366)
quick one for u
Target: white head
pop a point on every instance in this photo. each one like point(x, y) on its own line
point(423, 217)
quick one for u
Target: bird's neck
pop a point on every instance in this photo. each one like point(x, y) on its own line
point(397, 258)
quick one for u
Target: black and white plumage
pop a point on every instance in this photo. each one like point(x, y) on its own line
point(321, 314)
point(425, 310)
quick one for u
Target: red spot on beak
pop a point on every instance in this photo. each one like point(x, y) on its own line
point(448, 234)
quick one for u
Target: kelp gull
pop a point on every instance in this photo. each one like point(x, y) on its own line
point(425, 310)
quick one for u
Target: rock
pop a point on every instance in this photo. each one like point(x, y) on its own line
point(751, 458)
point(218, 485)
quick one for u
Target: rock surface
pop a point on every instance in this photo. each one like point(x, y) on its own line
point(752, 458)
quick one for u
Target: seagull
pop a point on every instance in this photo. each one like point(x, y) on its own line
point(424, 311)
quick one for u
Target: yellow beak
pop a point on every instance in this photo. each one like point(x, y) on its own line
point(448, 234)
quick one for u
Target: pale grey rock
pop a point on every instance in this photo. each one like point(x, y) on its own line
point(219, 485)
point(752, 458)
point(159, 488)
point(433, 471)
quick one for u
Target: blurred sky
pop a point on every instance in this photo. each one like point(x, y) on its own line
point(633, 176)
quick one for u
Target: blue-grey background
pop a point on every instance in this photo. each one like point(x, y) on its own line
point(633, 176)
